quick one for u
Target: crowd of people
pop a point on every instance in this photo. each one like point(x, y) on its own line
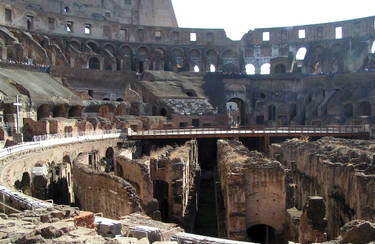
point(40, 67)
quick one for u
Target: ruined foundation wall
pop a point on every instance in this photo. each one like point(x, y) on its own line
point(338, 170)
point(253, 189)
point(101, 192)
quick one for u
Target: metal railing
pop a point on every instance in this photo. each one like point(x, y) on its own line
point(59, 139)
point(303, 130)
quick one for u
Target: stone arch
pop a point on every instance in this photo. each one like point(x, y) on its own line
point(261, 234)
point(110, 48)
point(126, 54)
point(94, 63)
point(178, 59)
point(212, 58)
point(364, 109)
point(44, 111)
point(236, 111)
point(60, 110)
point(75, 44)
point(348, 110)
point(93, 46)
point(250, 69)
point(108, 64)
point(158, 59)
point(279, 69)
point(75, 112)
point(104, 111)
point(142, 58)
point(120, 110)
point(230, 60)
point(195, 58)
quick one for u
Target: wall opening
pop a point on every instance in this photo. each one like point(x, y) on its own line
point(293, 111)
point(196, 68)
point(348, 110)
point(29, 22)
point(8, 15)
point(364, 109)
point(163, 112)
point(266, 36)
point(212, 68)
point(140, 67)
point(69, 26)
point(338, 32)
point(373, 47)
point(250, 69)
point(87, 29)
point(236, 112)
point(193, 37)
point(302, 34)
point(260, 120)
point(263, 234)
point(301, 53)
point(109, 158)
point(94, 63)
point(280, 69)
point(43, 112)
point(161, 189)
point(265, 69)
point(271, 112)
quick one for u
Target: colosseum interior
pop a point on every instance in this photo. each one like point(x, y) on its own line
point(117, 126)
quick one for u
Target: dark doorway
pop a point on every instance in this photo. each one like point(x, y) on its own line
point(141, 67)
point(263, 234)
point(195, 123)
point(161, 194)
point(94, 63)
point(280, 69)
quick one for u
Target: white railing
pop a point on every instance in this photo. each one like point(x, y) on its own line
point(59, 139)
point(301, 130)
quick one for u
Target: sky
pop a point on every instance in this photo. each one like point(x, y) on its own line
point(237, 17)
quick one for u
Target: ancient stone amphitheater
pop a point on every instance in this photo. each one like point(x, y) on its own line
point(117, 126)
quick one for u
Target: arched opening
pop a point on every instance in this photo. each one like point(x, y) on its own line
point(163, 112)
point(301, 53)
point(260, 120)
point(236, 112)
point(109, 159)
point(119, 170)
point(263, 234)
point(104, 111)
point(293, 111)
point(364, 109)
point(271, 112)
point(348, 110)
point(265, 69)
point(161, 189)
point(212, 68)
point(250, 69)
point(120, 110)
point(43, 112)
point(75, 112)
point(60, 111)
point(94, 63)
point(93, 47)
point(373, 47)
point(280, 69)
point(196, 68)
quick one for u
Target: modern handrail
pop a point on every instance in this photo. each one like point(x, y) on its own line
point(58, 139)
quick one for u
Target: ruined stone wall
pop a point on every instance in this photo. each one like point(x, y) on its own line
point(101, 192)
point(310, 100)
point(253, 189)
point(339, 170)
point(154, 13)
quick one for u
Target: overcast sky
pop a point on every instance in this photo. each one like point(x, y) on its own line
point(237, 17)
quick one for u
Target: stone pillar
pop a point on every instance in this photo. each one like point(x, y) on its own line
point(4, 54)
point(313, 224)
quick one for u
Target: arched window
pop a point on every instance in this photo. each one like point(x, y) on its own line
point(94, 63)
point(280, 68)
point(364, 109)
point(373, 47)
point(265, 69)
point(301, 53)
point(196, 68)
point(250, 69)
point(212, 68)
